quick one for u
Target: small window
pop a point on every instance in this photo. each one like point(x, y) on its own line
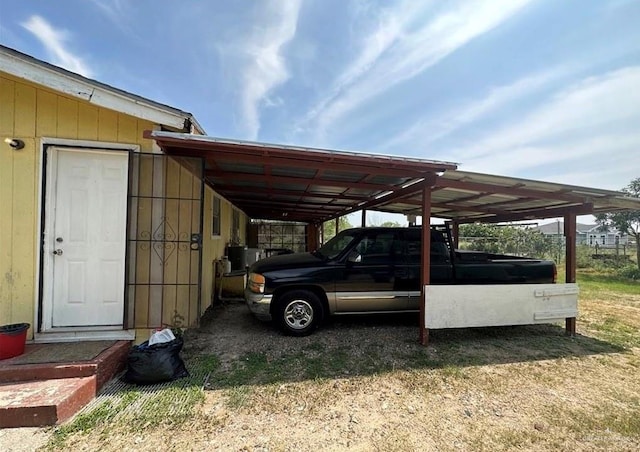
point(215, 219)
point(604, 239)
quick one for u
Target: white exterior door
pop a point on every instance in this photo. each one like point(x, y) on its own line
point(85, 238)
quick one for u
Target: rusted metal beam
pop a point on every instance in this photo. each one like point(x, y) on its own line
point(397, 192)
point(455, 232)
point(259, 201)
point(298, 162)
point(509, 190)
point(452, 207)
point(187, 144)
point(425, 260)
point(305, 194)
point(234, 198)
point(239, 177)
point(570, 231)
point(471, 198)
point(279, 215)
point(512, 202)
point(533, 214)
point(309, 211)
point(457, 208)
point(312, 238)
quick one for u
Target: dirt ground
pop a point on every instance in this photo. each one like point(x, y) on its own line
point(508, 401)
point(22, 439)
point(527, 388)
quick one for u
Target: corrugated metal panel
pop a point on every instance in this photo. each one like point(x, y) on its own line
point(378, 182)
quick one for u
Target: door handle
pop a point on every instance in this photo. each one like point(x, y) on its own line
point(57, 252)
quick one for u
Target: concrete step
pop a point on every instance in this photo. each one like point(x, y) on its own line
point(33, 395)
point(107, 364)
point(44, 402)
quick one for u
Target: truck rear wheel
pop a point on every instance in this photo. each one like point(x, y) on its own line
point(299, 312)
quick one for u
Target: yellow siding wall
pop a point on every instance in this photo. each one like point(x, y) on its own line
point(214, 247)
point(29, 112)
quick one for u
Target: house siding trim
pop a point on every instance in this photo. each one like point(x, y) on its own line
point(81, 88)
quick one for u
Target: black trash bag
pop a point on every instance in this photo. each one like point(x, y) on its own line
point(148, 364)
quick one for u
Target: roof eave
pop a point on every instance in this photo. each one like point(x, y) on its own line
point(42, 73)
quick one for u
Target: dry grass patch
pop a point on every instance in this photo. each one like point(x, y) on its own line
point(365, 384)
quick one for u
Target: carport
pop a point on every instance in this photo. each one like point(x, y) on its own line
point(292, 183)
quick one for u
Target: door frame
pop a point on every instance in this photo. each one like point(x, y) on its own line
point(44, 330)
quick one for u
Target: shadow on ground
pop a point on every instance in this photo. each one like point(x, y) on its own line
point(247, 351)
point(234, 351)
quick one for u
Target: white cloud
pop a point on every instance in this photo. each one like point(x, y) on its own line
point(398, 50)
point(598, 149)
point(264, 67)
point(593, 123)
point(114, 9)
point(388, 30)
point(430, 129)
point(55, 44)
point(118, 12)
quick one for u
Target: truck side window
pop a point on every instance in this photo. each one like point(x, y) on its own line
point(439, 250)
point(439, 253)
point(337, 244)
point(376, 248)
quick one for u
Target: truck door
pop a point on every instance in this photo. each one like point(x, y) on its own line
point(370, 278)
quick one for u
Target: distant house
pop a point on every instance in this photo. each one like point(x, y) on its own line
point(586, 234)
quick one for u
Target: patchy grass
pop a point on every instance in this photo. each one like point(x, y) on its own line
point(366, 384)
point(594, 282)
point(238, 396)
point(616, 331)
point(139, 407)
point(610, 308)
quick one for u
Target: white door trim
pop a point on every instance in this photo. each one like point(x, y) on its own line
point(52, 303)
point(40, 316)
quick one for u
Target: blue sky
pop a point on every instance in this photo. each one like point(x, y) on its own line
point(539, 89)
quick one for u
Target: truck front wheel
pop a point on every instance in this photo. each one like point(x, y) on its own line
point(298, 312)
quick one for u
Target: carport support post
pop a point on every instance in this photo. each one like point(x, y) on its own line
point(426, 255)
point(570, 262)
point(363, 222)
point(455, 232)
point(313, 240)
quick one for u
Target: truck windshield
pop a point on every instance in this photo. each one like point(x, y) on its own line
point(337, 244)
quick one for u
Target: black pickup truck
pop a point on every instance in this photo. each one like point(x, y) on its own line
point(373, 270)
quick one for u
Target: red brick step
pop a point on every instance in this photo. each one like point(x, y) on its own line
point(44, 402)
point(33, 395)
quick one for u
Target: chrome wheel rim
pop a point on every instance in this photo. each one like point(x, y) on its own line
point(298, 314)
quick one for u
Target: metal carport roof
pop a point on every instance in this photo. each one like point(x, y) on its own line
point(272, 181)
point(467, 197)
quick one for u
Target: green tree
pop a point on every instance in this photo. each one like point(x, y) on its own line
point(627, 222)
point(515, 240)
point(390, 224)
point(329, 227)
